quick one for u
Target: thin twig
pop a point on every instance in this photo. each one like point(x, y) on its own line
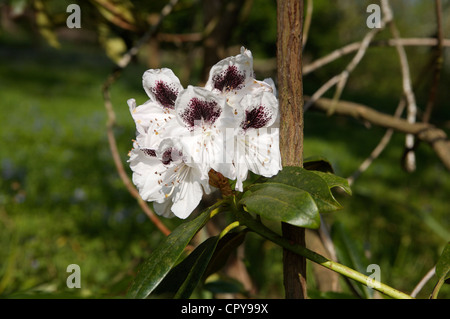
point(386, 137)
point(308, 19)
point(352, 47)
point(112, 117)
point(379, 148)
point(410, 159)
point(118, 18)
point(321, 91)
point(341, 79)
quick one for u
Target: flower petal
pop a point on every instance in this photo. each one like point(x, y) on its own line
point(164, 208)
point(188, 196)
point(232, 73)
point(259, 110)
point(258, 151)
point(147, 172)
point(198, 107)
point(162, 86)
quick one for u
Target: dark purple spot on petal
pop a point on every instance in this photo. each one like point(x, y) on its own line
point(165, 94)
point(201, 111)
point(230, 79)
point(256, 118)
point(149, 152)
point(171, 154)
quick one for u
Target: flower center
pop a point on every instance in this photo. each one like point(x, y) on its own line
point(256, 118)
point(165, 94)
point(170, 155)
point(149, 152)
point(201, 111)
point(230, 79)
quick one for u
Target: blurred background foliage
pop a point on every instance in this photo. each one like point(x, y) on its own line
point(62, 202)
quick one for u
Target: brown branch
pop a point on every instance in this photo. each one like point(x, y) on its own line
point(437, 66)
point(112, 118)
point(425, 132)
point(290, 92)
point(118, 161)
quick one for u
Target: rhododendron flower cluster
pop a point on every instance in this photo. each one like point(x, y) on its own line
point(230, 126)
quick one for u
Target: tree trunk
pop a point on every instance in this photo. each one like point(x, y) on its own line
point(290, 88)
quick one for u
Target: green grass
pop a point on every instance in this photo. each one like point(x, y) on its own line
point(61, 199)
point(62, 202)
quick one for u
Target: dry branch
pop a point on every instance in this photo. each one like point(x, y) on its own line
point(112, 117)
point(425, 132)
point(410, 159)
point(438, 64)
point(340, 80)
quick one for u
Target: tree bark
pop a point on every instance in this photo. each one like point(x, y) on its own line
point(290, 88)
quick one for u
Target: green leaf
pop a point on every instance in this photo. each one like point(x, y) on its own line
point(350, 255)
point(180, 279)
point(281, 202)
point(225, 247)
point(164, 257)
point(195, 273)
point(443, 264)
point(295, 196)
point(206, 259)
point(311, 182)
point(335, 181)
point(442, 271)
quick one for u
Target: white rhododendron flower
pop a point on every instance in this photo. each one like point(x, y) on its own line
point(233, 78)
point(156, 117)
point(205, 116)
point(165, 177)
point(229, 126)
point(257, 142)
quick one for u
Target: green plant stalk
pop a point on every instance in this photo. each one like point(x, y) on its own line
point(262, 230)
point(227, 229)
point(436, 289)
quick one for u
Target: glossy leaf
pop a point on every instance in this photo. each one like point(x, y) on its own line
point(311, 182)
point(281, 202)
point(335, 181)
point(225, 247)
point(165, 256)
point(206, 259)
point(443, 264)
point(195, 273)
point(182, 279)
